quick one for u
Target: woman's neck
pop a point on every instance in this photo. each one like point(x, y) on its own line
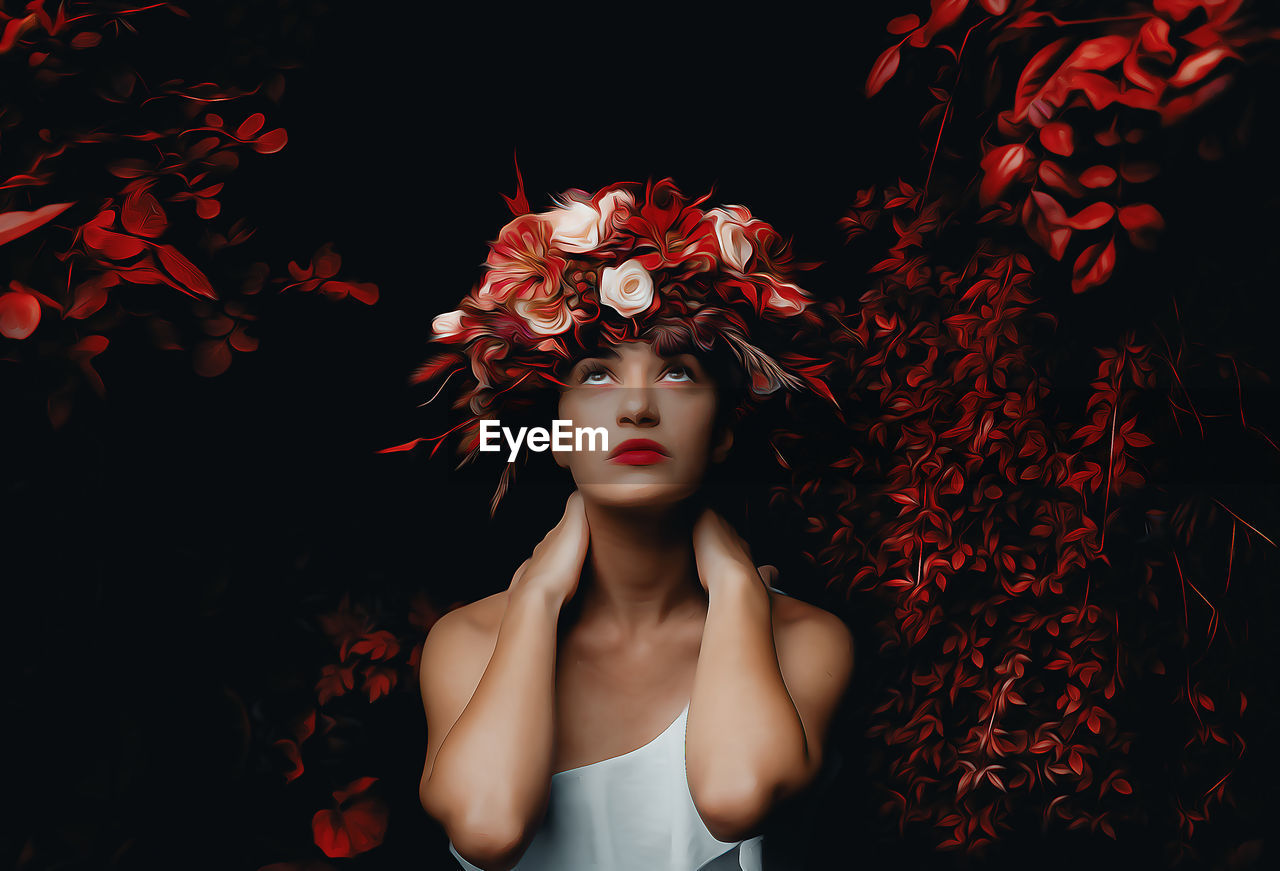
point(640, 571)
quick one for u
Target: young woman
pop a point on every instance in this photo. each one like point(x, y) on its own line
point(639, 697)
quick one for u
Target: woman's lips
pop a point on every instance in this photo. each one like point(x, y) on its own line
point(638, 452)
point(637, 458)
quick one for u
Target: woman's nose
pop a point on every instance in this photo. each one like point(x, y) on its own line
point(638, 406)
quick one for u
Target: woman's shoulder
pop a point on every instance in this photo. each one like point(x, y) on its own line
point(481, 617)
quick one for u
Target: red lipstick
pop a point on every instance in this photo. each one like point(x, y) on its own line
point(638, 452)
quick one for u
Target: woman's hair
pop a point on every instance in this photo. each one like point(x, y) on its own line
point(630, 262)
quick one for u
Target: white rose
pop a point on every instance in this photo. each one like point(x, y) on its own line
point(447, 324)
point(628, 288)
point(731, 234)
point(575, 227)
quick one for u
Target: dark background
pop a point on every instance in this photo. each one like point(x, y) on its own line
point(169, 548)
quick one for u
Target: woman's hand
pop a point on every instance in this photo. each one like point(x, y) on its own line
point(720, 552)
point(556, 564)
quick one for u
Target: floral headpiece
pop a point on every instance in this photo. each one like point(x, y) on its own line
point(611, 266)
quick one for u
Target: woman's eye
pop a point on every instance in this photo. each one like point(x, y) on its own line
point(589, 374)
point(681, 371)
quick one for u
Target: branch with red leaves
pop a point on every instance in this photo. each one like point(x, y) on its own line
point(1063, 153)
point(137, 193)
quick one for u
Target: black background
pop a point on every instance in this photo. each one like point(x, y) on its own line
point(167, 548)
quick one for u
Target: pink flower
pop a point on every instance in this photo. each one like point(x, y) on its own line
point(627, 288)
point(521, 263)
point(545, 316)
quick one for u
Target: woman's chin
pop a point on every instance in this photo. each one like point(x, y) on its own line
point(636, 494)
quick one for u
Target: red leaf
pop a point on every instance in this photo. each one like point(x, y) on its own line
point(15, 224)
point(142, 215)
point(1058, 138)
point(184, 271)
point(1121, 785)
point(1000, 167)
point(295, 759)
point(19, 314)
point(1098, 176)
point(353, 789)
point(115, 246)
point(1139, 171)
point(1199, 64)
point(1141, 216)
point(1093, 266)
point(1053, 175)
point(944, 14)
point(883, 69)
point(1155, 40)
point(1092, 216)
point(250, 126)
point(270, 143)
point(351, 831)
point(995, 7)
point(1046, 220)
point(1033, 78)
point(211, 357)
point(902, 24)
point(1101, 53)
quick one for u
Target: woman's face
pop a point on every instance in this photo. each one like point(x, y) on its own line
point(634, 393)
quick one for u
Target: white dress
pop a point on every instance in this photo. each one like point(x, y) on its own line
point(632, 812)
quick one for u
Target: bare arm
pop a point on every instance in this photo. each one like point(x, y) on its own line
point(491, 743)
point(488, 778)
point(742, 768)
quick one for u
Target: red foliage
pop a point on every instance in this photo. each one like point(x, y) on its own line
point(125, 231)
point(1080, 102)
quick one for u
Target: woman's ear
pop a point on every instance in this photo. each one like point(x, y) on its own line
point(721, 447)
